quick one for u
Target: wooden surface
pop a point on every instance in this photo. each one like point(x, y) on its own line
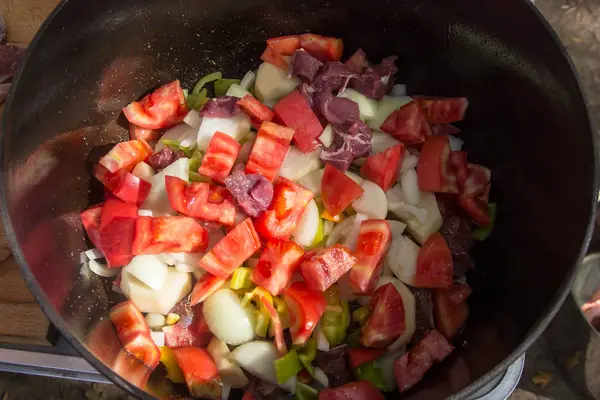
point(21, 319)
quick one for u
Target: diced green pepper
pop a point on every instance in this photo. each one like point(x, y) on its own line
point(371, 373)
point(282, 310)
point(241, 279)
point(206, 79)
point(222, 86)
point(319, 239)
point(263, 318)
point(305, 392)
point(196, 177)
point(177, 145)
point(361, 314)
point(196, 101)
point(336, 317)
point(287, 366)
point(353, 339)
point(307, 355)
point(482, 232)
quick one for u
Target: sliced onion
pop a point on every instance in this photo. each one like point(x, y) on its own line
point(248, 80)
point(193, 119)
point(176, 133)
point(410, 161)
point(399, 90)
point(182, 267)
point(93, 254)
point(402, 208)
point(322, 342)
point(408, 301)
point(322, 378)
point(386, 363)
point(237, 127)
point(312, 181)
point(410, 187)
point(297, 164)
point(155, 321)
point(258, 358)
point(340, 231)
point(308, 225)
point(354, 177)
point(102, 269)
point(149, 269)
point(372, 202)
point(230, 372)
point(158, 338)
point(144, 171)
point(352, 237)
point(327, 136)
point(397, 228)
point(189, 142)
point(402, 259)
point(456, 144)
point(227, 319)
point(381, 142)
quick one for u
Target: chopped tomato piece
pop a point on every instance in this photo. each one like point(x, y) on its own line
point(476, 208)
point(323, 48)
point(134, 333)
point(284, 45)
point(305, 310)
point(90, 219)
point(155, 235)
point(449, 316)
point(362, 355)
point(458, 293)
point(125, 155)
point(278, 261)
point(139, 133)
point(287, 206)
point(374, 239)
point(433, 170)
point(200, 372)
point(295, 112)
point(123, 185)
point(114, 208)
point(458, 165)
point(410, 368)
point(361, 390)
point(131, 369)
point(255, 109)
point(473, 198)
point(271, 56)
point(407, 124)
point(269, 150)
point(163, 108)
point(434, 264)
point(220, 156)
point(206, 285)
point(439, 110)
point(387, 319)
point(277, 327)
point(117, 229)
point(338, 190)
point(231, 251)
point(194, 334)
point(382, 168)
point(444, 129)
point(323, 267)
point(201, 200)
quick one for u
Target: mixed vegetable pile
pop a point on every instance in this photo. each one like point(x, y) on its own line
point(305, 230)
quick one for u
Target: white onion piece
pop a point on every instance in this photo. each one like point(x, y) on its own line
point(290, 385)
point(272, 83)
point(322, 378)
point(144, 171)
point(386, 106)
point(237, 127)
point(340, 231)
point(327, 227)
point(398, 90)
point(367, 107)
point(456, 144)
point(182, 267)
point(308, 225)
point(102, 269)
point(352, 237)
point(410, 161)
point(177, 286)
point(397, 228)
point(93, 254)
point(422, 220)
point(83, 259)
point(158, 200)
point(155, 321)
point(248, 80)
point(408, 301)
point(402, 259)
point(158, 338)
point(297, 164)
point(230, 373)
point(258, 358)
point(410, 187)
point(193, 119)
point(354, 177)
point(312, 181)
point(176, 133)
point(372, 202)
point(167, 258)
point(227, 319)
point(386, 363)
point(327, 136)
point(149, 269)
point(189, 142)
point(402, 208)
point(145, 213)
point(381, 142)
point(322, 342)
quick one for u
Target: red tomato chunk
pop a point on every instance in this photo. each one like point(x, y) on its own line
point(449, 316)
point(206, 285)
point(323, 267)
point(295, 112)
point(125, 155)
point(255, 109)
point(362, 355)
point(338, 190)
point(374, 239)
point(155, 235)
point(322, 48)
point(163, 108)
point(433, 171)
point(382, 168)
point(434, 264)
point(361, 390)
point(269, 150)
point(387, 320)
point(407, 124)
point(278, 261)
point(443, 110)
point(220, 156)
point(200, 372)
point(305, 310)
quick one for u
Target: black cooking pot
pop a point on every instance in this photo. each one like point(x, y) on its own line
point(527, 120)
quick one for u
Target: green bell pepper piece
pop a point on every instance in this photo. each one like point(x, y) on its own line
point(287, 366)
point(371, 373)
point(482, 232)
point(305, 392)
point(206, 79)
point(222, 86)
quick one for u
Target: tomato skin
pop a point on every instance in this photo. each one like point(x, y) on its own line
point(338, 190)
point(278, 261)
point(458, 293)
point(382, 168)
point(459, 166)
point(475, 208)
point(255, 109)
point(287, 206)
point(323, 48)
point(433, 169)
point(306, 308)
point(201, 200)
point(362, 355)
point(139, 133)
point(434, 264)
point(361, 390)
point(295, 112)
point(231, 251)
point(220, 156)
point(271, 56)
point(117, 228)
point(123, 185)
point(284, 45)
point(134, 334)
point(163, 108)
point(155, 235)
point(323, 267)
point(449, 316)
point(473, 198)
point(277, 327)
point(90, 219)
point(206, 285)
point(440, 110)
point(387, 320)
point(374, 239)
point(407, 124)
point(200, 372)
point(125, 155)
point(269, 150)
